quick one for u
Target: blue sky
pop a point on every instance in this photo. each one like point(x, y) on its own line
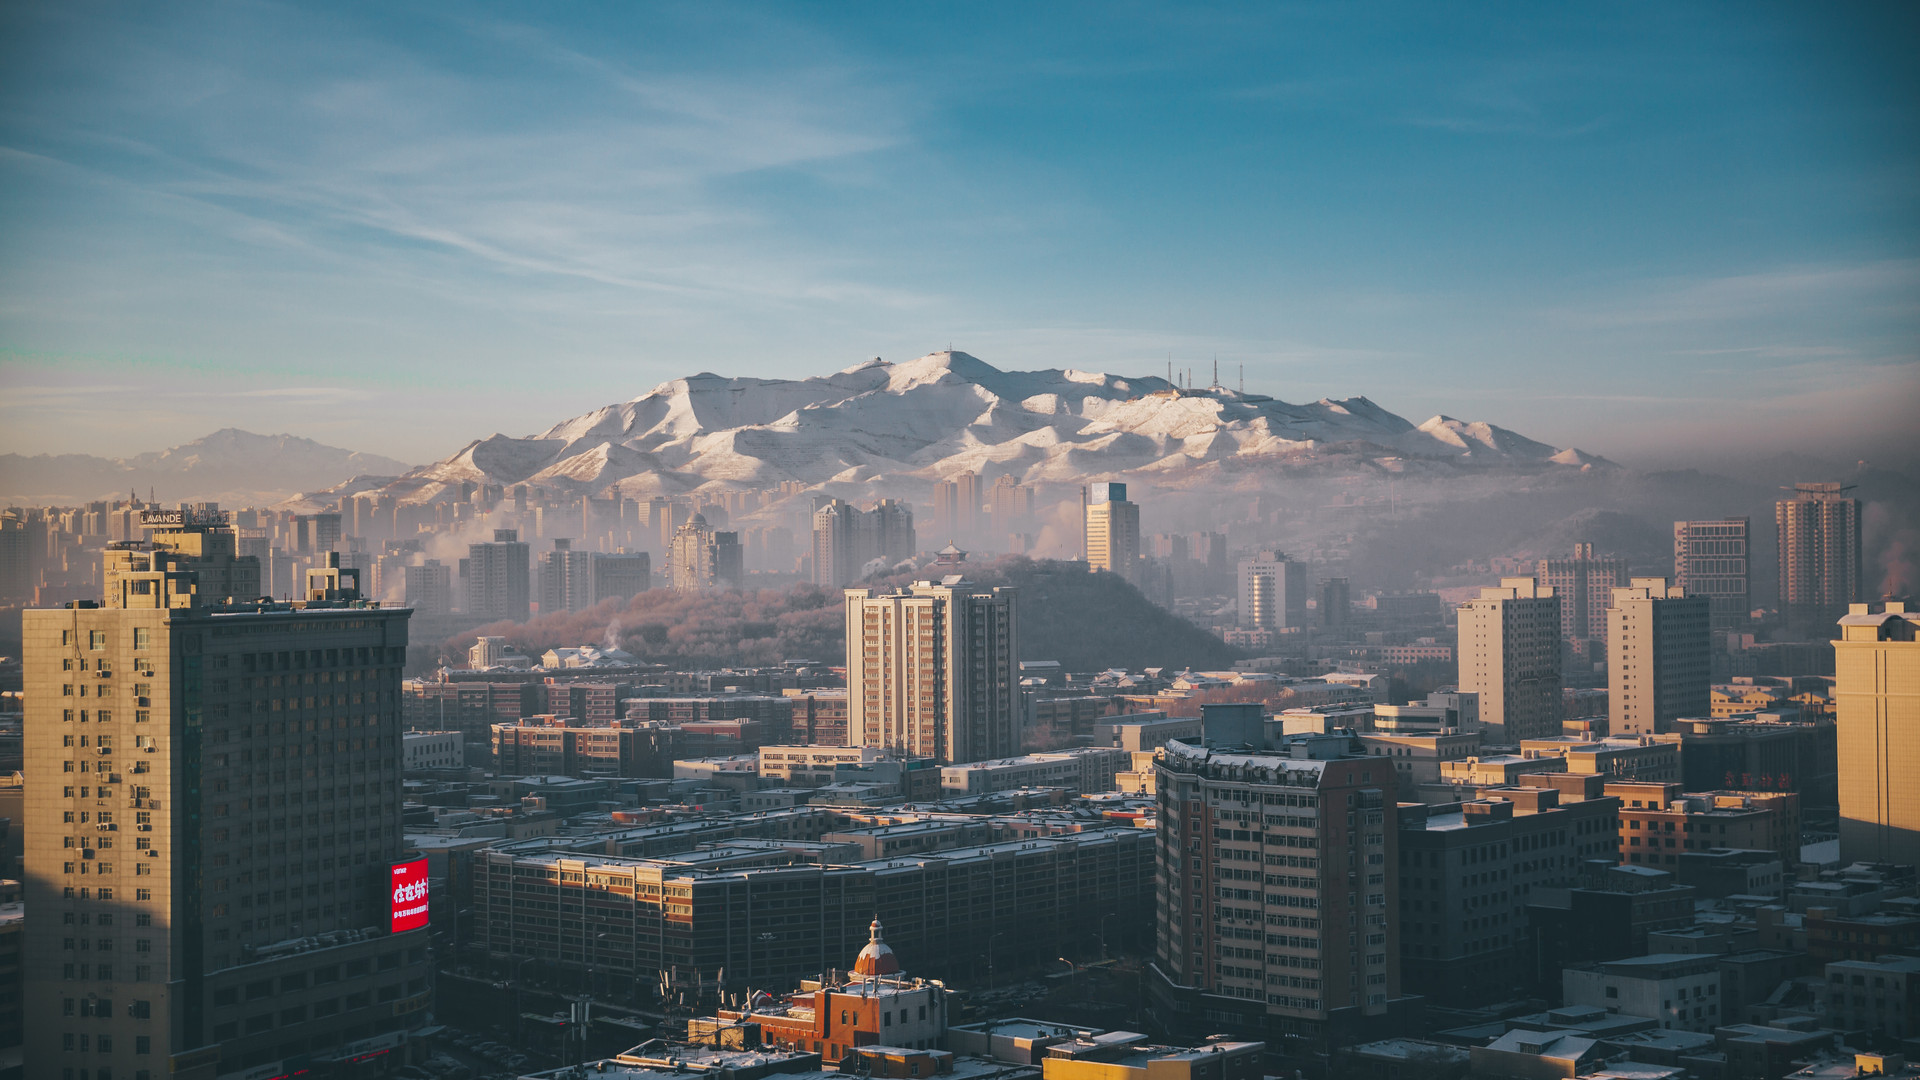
point(1652, 231)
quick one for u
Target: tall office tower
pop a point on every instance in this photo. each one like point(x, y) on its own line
point(216, 815)
point(1277, 906)
point(702, 560)
point(1336, 603)
point(933, 670)
point(1659, 644)
point(497, 578)
point(566, 578)
point(1584, 584)
point(1821, 572)
point(1273, 592)
point(429, 589)
point(1510, 655)
point(621, 575)
point(1113, 530)
point(1713, 559)
point(1876, 695)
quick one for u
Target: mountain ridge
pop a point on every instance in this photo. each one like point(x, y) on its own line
point(226, 465)
point(948, 412)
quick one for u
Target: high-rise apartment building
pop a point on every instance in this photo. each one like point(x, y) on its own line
point(1659, 665)
point(1714, 559)
point(566, 578)
point(213, 828)
point(429, 589)
point(1011, 504)
point(888, 530)
point(846, 539)
point(1113, 530)
point(498, 585)
point(1278, 906)
point(1510, 655)
point(1876, 695)
point(956, 507)
point(621, 575)
point(1273, 592)
point(933, 671)
point(1584, 584)
point(1821, 571)
point(834, 546)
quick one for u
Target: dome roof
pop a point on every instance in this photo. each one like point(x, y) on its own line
point(876, 958)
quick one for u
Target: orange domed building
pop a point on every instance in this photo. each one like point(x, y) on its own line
point(874, 1003)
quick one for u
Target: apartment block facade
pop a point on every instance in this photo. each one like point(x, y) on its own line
point(932, 671)
point(1467, 873)
point(1278, 903)
point(1714, 559)
point(1659, 657)
point(960, 910)
point(1877, 717)
point(1510, 656)
point(213, 827)
point(1821, 568)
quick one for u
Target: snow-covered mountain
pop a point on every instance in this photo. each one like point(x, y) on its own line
point(229, 465)
point(949, 412)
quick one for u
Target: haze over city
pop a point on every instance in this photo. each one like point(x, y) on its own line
point(965, 542)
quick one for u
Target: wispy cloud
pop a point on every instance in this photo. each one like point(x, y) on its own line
point(1887, 287)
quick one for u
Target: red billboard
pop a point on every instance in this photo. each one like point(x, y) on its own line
point(409, 895)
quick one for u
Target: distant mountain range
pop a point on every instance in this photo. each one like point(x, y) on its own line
point(228, 466)
point(949, 412)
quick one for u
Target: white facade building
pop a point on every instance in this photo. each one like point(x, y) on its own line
point(432, 750)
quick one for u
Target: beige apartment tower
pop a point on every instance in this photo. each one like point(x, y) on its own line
point(933, 671)
point(1877, 714)
point(1113, 530)
point(212, 820)
point(1510, 655)
point(1659, 665)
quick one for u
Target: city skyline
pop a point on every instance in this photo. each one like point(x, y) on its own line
point(1064, 542)
point(311, 221)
